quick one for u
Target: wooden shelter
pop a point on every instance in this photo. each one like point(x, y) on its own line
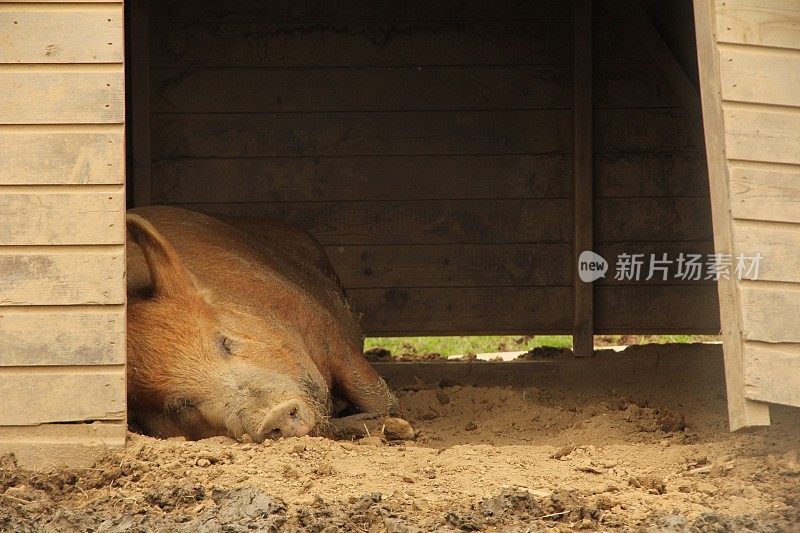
point(454, 158)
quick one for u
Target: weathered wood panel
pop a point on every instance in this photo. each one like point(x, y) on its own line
point(481, 221)
point(653, 219)
point(53, 218)
point(762, 134)
point(321, 134)
point(455, 265)
point(59, 445)
point(419, 133)
point(772, 23)
point(62, 276)
point(62, 36)
point(496, 310)
point(277, 179)
point(400, 88)
point(430, 222)
point(645, 174)
point(300, 179)
point(87, 394)
point(62, 98)
point(62, 336)
point(45, 157)
point(769, 311)
point(254, 44)
point(742, 412)
point(322, 11)
point(492, 265)
point(778, 245)
point(772, 372)
point(765, 193)
point(760, 75)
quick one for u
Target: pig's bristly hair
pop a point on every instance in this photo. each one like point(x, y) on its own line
point(167, 273)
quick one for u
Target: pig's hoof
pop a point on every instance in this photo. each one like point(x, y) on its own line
point(397, 429)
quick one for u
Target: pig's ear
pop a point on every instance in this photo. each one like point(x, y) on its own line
point(167, 273)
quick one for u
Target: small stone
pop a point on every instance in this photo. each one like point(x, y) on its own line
point(325, 469)
point(291, 472)
point(370, 441)
point(203, 462)
point(563, 451)
point(408, 479)
point(298, 447)
point(706, 488)
point(472, 426)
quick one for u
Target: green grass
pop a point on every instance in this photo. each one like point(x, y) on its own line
point(487, 344)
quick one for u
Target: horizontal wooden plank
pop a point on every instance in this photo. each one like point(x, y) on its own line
point(656, 309)
point(534, 310)
point(761, 193)
point(771, 23)
point(772, 372)
point(47, 336)
point(760, 75)
point(433, 133)
point(50, 218)
point(621, 175)
point(492, 265)
point(769, 311)
point(62, 157)
point(453, 265)
point(319, 11)
point(418, 133)
point(298, 179)
point(277, 179)
point(778, 245)
point(429, 222)
point(482, 221)
point(62, 395)
point(62, 97)
point(756, 134)
point(653, 219)
point(72, 277)
point(643, 130)
point(256, 44)
point(400, 88)
point(62, 36)
point(57, 445)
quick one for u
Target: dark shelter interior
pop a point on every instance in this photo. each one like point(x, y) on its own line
point(434, 147)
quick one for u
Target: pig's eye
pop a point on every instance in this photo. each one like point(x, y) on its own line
point(225, 345)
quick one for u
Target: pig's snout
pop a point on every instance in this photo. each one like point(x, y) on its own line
point(289, 419)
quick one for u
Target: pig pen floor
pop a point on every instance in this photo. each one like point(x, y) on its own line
point(635, 442)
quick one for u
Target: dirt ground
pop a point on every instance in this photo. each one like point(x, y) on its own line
point(547, 458)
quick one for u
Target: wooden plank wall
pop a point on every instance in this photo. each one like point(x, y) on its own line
point(759, 60)
point(62, 257)
point(428, 146)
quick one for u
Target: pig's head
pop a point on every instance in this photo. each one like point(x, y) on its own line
point(198, 367)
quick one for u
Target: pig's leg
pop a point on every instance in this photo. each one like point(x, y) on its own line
point(363, 387)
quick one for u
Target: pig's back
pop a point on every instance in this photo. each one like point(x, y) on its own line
point(264, 265)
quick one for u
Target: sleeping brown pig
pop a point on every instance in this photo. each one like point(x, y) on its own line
point(233, 333)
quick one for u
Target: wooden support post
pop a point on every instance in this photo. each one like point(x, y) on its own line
point(742, 412)
point(138, 43)
point(583, 190)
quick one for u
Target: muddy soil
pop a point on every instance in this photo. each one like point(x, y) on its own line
point(488, 459)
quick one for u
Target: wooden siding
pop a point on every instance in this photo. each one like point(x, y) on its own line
point(757, 49)
point(62, 202)
point(430, 151)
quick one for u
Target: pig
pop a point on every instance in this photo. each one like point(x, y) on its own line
point(238, 330)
